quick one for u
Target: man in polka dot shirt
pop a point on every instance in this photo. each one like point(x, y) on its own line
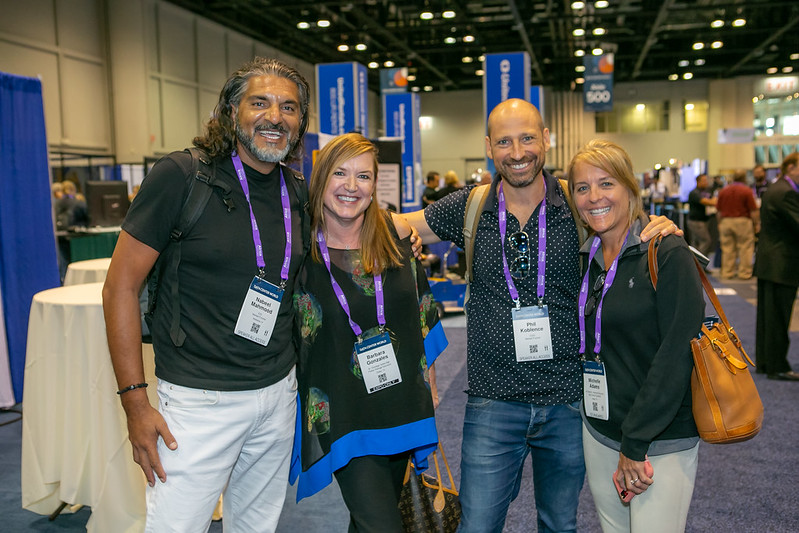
point(523, 338)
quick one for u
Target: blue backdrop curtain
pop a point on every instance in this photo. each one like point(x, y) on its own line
point(28, 261)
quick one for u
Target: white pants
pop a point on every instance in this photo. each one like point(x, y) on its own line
point(238, 443)
point(663, 508)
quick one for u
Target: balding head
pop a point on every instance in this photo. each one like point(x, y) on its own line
point(514, 108)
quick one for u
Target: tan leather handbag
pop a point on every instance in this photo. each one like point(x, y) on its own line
point(726, 404)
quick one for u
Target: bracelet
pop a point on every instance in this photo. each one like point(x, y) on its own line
point(132, 387)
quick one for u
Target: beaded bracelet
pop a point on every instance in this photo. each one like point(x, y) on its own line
point(132, 387)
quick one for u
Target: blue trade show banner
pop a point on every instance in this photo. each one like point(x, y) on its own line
point(598, 86)
point(341, 98)
point(506, 76)
point(401, 119)
point(537, 98)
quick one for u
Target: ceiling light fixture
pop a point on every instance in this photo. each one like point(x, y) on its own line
point(579, 53)
point(737, 23)
point(716, 44)
point(718, 23)
point(479, 72)
point(596, 51)
point(481, 58)
point(388, 63)
point(794, 57)
point(303, 25)
point(689, 107)
point(699, 62)
point(683, 63)
point(640, 107)
point(698, 46)
point(323, 23)
point(788, 69)
point(601, 4)
point(450, 40)
point(468, 38)
point(598, 31)
point(578, 32)
point(674, 77)
point(343, 48)
point(426, 15)
point(415, 89)
point(411, 77)
point(428, 88)
point(373, 64)
point(771, 70)
point(579, 81)
point(579, 68)
point(467, 59)
point(360, 47)
point(578, 5)
point(687, 76)
point(448, 14)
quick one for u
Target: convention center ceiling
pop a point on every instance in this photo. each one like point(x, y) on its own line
point(441, 42)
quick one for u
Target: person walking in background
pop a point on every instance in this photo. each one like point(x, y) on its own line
point(761, 183)
point(638, 427)
point(430, 189)
point(226, 377)
point(738, 223)
point(522, 352)
point(777, 273)
point(698, 201)
point(367, 385)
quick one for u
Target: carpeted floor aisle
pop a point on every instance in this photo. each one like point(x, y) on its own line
point(746, 487)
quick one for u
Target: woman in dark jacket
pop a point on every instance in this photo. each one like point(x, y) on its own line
point(638, 431)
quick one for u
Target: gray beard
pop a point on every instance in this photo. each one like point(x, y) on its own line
point(267, 155)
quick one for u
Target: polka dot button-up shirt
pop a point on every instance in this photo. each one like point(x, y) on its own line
point(491, 358)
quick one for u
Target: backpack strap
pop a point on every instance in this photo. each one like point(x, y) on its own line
point(471, 218)
point(202, 171)
point(301, 190)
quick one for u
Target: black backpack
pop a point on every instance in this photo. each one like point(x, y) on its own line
point(201, 183)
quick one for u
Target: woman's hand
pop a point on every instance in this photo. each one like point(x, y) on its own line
point(634, 476)
point(659, 224)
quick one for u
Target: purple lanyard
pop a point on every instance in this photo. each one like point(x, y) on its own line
point(256, 233)
point(792, 184)
point(542, 247)
point(342, 300)
point(611, 275)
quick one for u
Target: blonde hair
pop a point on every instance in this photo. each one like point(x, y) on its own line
point(450, 178)
point(610, 158)
point(379, 250)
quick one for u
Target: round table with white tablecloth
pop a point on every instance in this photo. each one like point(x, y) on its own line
point(89, 271)
point(75, 447)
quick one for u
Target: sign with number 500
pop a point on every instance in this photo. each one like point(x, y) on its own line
point(594, 97)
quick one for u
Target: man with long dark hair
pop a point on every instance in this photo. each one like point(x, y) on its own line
point(222, 326)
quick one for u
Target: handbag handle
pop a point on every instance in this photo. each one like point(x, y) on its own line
point(711, 293)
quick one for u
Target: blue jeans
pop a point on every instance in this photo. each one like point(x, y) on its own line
point(497, 436)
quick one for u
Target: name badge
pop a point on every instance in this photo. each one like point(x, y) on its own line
point(378, 363)
point(531, 333)
point(595, 390)
point(258, 314)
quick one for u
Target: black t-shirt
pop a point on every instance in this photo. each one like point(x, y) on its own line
point(696, 210)
point(216, 268)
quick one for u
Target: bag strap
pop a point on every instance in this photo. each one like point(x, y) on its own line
point(471, 219)
point(446, 466)
point(203, 170)
point(654, 244)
